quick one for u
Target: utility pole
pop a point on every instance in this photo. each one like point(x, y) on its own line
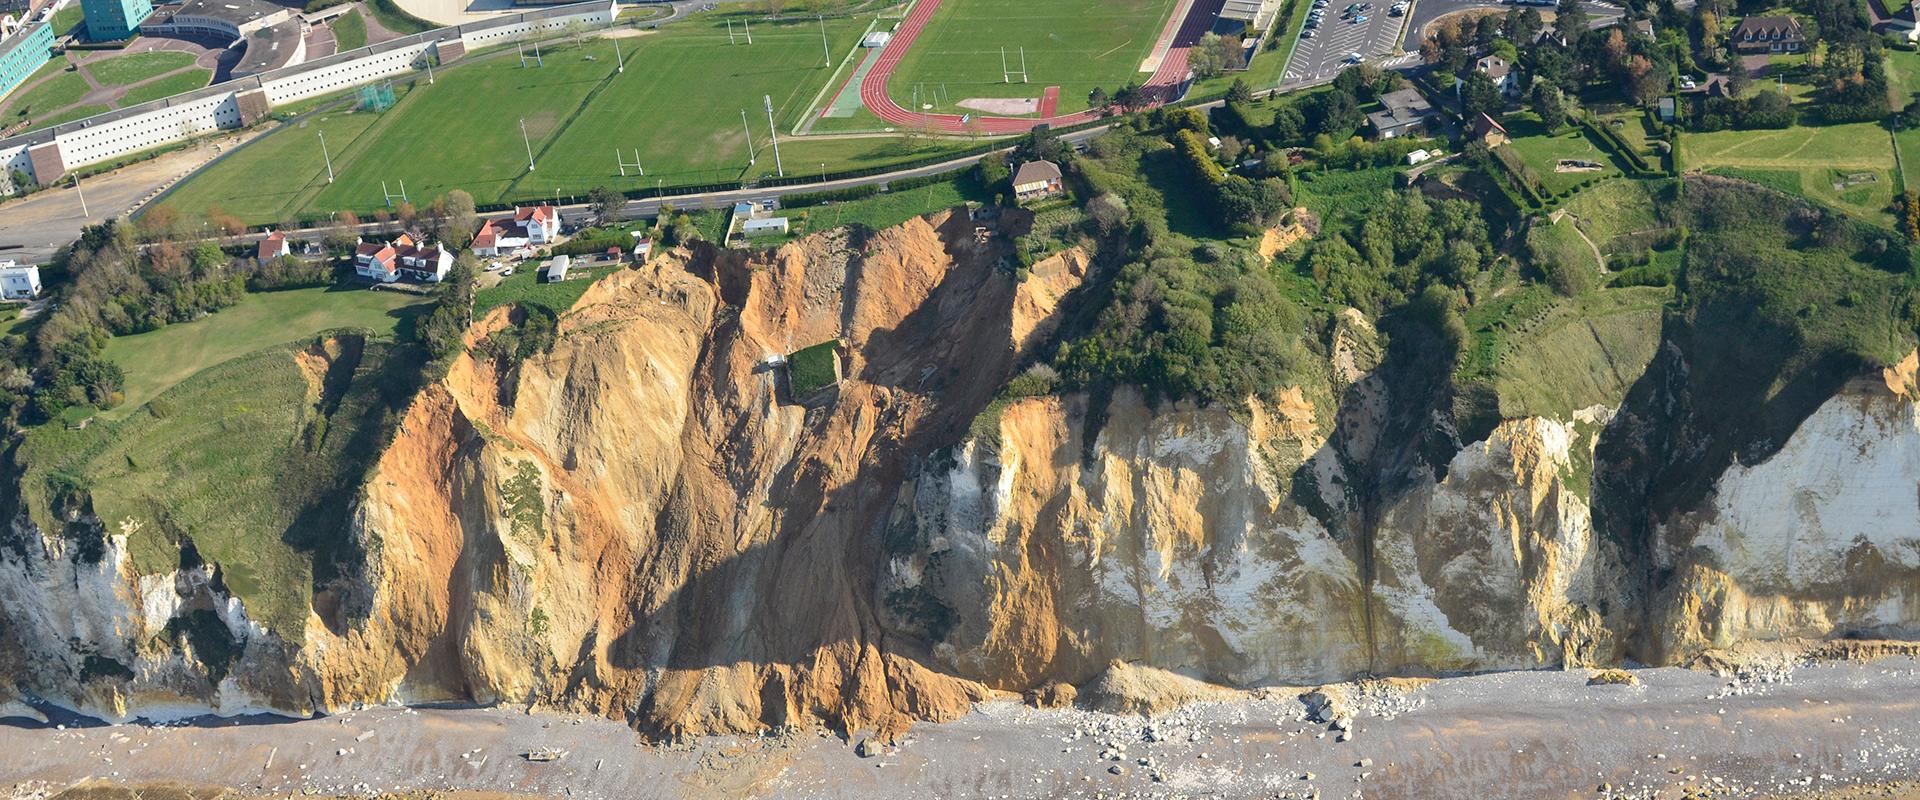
point(84, 213)
point(825, 51)
point(529, 142)
point(775, 134)
point(751, 160)
point(328, 157)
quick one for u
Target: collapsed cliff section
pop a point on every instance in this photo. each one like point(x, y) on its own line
point(646, 522)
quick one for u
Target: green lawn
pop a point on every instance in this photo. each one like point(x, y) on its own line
point(1847, 166)
point(1550, 355)
point(678, 102)
point(1076, 45)
point(242, 460)
point(1614, 208)
point(136, 67)
point(810, 369)
point(183, 81)
point(160, 359)
point(349, 32)
point(66, 18)
point(886, 210)
point(1543, 153)
point(237, 185)
point(1903, 76)
point(55, 93)
point(526, 287)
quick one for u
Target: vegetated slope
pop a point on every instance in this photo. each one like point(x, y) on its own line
point(628, 513)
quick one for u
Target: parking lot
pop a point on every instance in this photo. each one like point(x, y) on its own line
point(1378, 40)
point(1323, 55)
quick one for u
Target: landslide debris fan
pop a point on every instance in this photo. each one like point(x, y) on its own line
point(643, 521)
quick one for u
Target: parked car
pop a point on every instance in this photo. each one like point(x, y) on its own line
point(1686, 82)
point(1306, 34)
point(1352, 58)
point(1359, 19)
point(505, 273)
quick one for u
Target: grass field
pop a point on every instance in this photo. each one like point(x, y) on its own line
point(883, 211)
point(158, 360)
point(349, 32)
point(66, 18)
point(136, 67)
point(294, 149)
point(1074, 44)
point(55, 93)
point(525, 287)
point(1550, 355)
point(679, 102)
point(240, 460)
point(1830, 164)
point(1612, 209)
point(182, 81)
point(1543, 152)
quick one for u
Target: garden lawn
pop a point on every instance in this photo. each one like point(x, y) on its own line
point(349, 32)
point(136, 67)
point(886, 210)
point(525, 287)
point(262, 181)
point(1849, 166)
point(1077, 45)
point(157, 360)
point(183, 81)
point(1543, 152)
point(1614, 208)
point(51, 95)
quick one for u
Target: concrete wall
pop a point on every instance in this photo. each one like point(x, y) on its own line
point(121, 133)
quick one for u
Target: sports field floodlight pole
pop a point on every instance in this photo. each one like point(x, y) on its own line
point(84, 213)
point(775, 134)
point(528, 141)
point(751, 160)
point(326, 156)
point(619, 64)
point(825, 51)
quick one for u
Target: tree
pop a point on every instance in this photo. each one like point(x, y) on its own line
point(1570, 18)
point(1239, 91)
point(461, 220)
point(1550, 105)
point(1290, 126)
point(1108, 212)
point(1099, 100)
point(1480, 95)
point(1644, 83)
point(991, 171)
point(609, 205)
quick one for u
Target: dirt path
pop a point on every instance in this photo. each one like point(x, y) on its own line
point(1598, 259)
point(1511, 735)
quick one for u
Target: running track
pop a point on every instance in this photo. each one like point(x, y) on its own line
point(1162, 86)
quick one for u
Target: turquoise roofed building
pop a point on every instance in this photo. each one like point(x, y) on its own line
point(22, 53)
point(110, 20)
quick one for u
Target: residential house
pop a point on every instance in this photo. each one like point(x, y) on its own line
point(1503, 74)
point(1768, 35)
point(1644, 27)
point(19, 281)
point(1549, 36)
point(1402, 113)
point(406, 256)
point(1035, 180)
point(272, 247)
point(1487, 130)
point(530, 227)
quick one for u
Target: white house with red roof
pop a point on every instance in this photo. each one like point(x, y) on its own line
point(405, 256)
point(274, 246)
point(530, 227)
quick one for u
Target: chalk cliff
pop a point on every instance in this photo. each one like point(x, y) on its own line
point(644, 522)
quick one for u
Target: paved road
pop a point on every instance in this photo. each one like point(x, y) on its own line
point(1426, 11)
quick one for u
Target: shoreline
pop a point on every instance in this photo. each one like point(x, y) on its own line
point(1802, 731)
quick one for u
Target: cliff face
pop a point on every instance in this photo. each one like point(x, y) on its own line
point(645, 523)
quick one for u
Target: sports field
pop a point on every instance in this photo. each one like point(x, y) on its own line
point(1846, 166)
point(1076, 45)
point(679, 103)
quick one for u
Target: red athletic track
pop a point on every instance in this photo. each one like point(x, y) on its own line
point(873, 89)
point(1049, 101)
